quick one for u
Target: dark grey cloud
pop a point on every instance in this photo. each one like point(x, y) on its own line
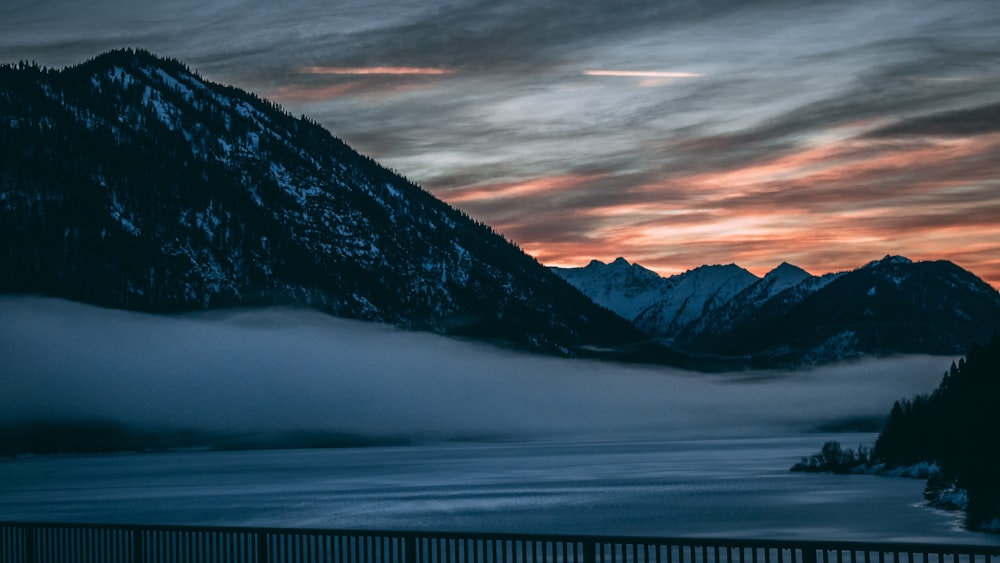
point(523, 36)
point(960, 123)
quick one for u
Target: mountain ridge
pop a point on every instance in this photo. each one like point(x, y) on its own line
point(129, 181)
point(790, 317)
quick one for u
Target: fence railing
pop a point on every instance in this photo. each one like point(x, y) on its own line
point(22, 542)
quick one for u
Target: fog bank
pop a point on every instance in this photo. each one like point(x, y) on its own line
point(285, 370)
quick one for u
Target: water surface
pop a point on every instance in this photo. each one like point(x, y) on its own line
point(727, 488)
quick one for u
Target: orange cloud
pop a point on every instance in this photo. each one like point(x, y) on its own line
point(643, 74)
point(650, 78)
point(377, 70)
point(368, 81)
point(296, 94)
point(834, 204)
point(528, 188)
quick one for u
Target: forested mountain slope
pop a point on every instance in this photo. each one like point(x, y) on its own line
point(129, 181)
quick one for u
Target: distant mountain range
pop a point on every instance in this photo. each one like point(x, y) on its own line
point(790, 317)
point(129, 181)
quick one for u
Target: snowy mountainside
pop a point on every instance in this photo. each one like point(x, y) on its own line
point(660, 306)
point(129, 181)
point(624, 288)
point(790, 317)
point(779, 279)
point(786, 285)
point(693, 295)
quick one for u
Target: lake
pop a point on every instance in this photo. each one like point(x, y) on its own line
point(739, 488)
point(573, 446)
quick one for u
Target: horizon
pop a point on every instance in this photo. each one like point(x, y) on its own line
point(664, 133)
point(760, 274)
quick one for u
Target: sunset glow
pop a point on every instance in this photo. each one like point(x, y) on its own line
point(845, 194)
point(380, 70)
point(672, 134)
point(642, 74)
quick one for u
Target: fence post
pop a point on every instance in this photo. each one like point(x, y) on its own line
point(808, 555)
point(137, 547)
point(29, 544)
point(410, 549)
point(590, 552)
point(263, 553)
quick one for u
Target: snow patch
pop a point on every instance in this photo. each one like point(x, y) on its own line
point(839, 346)
point(207, 221)
point(174, 84)
point(119, 74)
point(888, 260)
point(164, 112)
point(300, 192)
point(226, 147)
point(393, 191)
point(921, 470)
point(118, 214)
point(785, 276)
point(256, 197)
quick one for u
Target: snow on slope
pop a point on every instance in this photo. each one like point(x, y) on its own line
point(781, 278)
point(624, 288)
point(183, 194)
point(660, 306)
point(693, 295)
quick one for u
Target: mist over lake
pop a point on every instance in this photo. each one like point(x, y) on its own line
point(282, 370)
point(492, 440)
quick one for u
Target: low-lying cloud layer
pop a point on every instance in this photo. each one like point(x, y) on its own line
point(675, 133)
point(288, 370)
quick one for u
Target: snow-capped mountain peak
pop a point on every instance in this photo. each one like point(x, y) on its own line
point(654, 303)
point(789, 316)
point(783, 277)
point(619, 286)
point(786, 271)
point(889, 259)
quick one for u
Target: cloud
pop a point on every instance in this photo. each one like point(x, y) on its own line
point(287, 370)
point(845, 125)
point(650, 78)
point(968, 122)
point(642, 74)
point(377, 70)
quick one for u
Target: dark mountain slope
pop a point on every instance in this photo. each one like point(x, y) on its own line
point(129, 181)
point(888, 306)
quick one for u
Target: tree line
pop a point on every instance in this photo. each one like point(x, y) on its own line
point(955, 427)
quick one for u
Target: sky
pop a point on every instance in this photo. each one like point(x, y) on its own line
point(674, 133)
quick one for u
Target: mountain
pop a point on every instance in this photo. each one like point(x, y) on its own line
point(790, 317)
point(658, 306)
point(624, 288)
point(129, 181)
point(694, 295)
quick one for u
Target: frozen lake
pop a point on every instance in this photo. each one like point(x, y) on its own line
point(728, 488)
